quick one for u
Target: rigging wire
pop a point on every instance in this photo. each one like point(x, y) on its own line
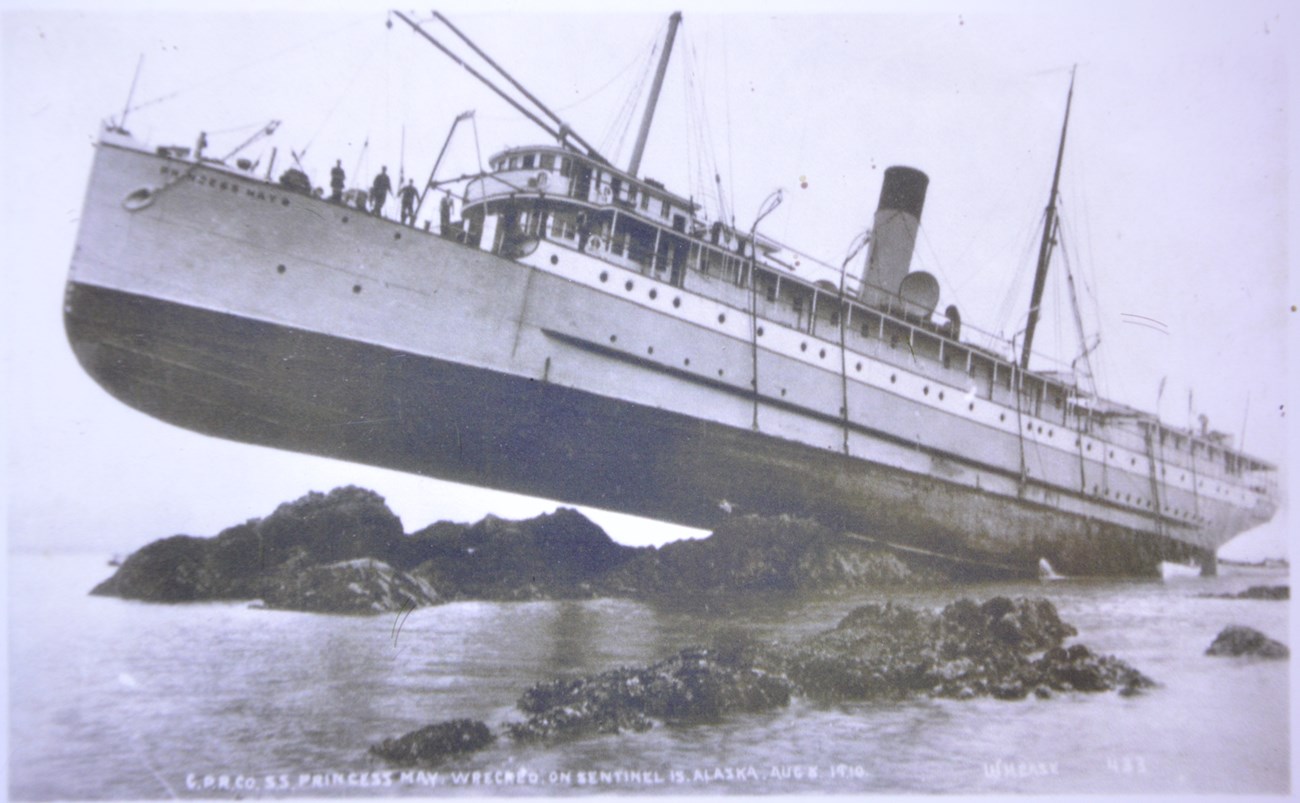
point(622, 70)
point(351, 25)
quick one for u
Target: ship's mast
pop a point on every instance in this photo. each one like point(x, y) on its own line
point(1045, 249)
point(639, 149)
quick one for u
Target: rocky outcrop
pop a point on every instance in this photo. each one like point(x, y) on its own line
point(1258, 592)
point(1004, 648)
point(965, 650)
point(559, 555)
point(436, 742)
point(345, 552)
point(238, 563)
point(360, 586)
point(696, 685)
point(749, 554)
point(1236, 640)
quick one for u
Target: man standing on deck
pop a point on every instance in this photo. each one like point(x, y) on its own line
point(444, 215)
point(408, 194)
point(336, 181)
point(379, 191)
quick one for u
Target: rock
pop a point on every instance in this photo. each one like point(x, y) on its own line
point(432, 744)
point(359, 586)
point(555, 556)
point(752, 554)
point(965, 650)
point(1236, 640)
point(1077, 669)
point(317, 529)
point(696, 685)
point(1257, 592)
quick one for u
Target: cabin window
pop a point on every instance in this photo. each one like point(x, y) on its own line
point(645, 202)
point(514, 162)
point(631, 194)
point(548, 161)
point(566, 167)
point(529, 161)
point(663, 211)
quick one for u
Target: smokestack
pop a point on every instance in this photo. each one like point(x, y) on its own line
point(902, 195)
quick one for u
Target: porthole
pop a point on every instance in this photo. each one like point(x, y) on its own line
point(1088, 447)
point(720, 372)
point(280, 269)
point(613, 338)
point(1049, 433)
point(858, 367)
point(628, 285)
point(677, 302)
point(821, 354)
point(555, 260)
point(803, 346)
point(1112, 453)
point(782, 391)
point(893, 378)
point(650, 350)
point(1002, 416)
point(941, 395)
point(971, 407)
point(356, 288)
point(722, 317)
point(653, 294)
point(926, 390)
point(397, 235)
point(687, 361)
point(345, 218)
point(604, 275)
point(1132, 461)
point(759, 331)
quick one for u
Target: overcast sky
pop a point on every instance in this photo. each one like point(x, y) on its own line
point(1175, 191)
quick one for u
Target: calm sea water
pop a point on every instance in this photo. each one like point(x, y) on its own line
point(114, 699)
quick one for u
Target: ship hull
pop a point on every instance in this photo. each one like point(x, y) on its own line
point(263, 384)
point(227, 306)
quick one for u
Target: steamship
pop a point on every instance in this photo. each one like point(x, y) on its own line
point(582, 333)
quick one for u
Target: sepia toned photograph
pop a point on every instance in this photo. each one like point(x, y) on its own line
point(680, 401)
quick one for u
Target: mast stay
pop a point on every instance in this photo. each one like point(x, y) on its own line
point(1049, 231)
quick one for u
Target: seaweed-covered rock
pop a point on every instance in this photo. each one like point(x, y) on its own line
point(432, 744)
point(359, 586)
point(695, 685)
point(1235, 640)
point(966, 650)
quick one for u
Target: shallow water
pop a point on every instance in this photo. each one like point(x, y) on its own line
point(115, 699)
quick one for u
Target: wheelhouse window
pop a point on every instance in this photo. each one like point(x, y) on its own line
point(548, 161)
point(529, 161)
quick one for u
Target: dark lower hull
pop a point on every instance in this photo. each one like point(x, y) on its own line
point(272, 385)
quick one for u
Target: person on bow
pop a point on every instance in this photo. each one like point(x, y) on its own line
point(379, 191)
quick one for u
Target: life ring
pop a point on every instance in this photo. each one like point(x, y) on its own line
point(606, 194)
point(541, 180)
point(594, 243)
point(138, 199)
